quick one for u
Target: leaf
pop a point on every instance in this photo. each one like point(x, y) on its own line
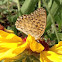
point(57, 1)
point(28, 6)
point(50, 4)
point(53, 12)
point(60, 36)
point(12, 28)
point(58, 18)
point(60, 1)
point(12, 19)
point(15, 1)
point(0, 2)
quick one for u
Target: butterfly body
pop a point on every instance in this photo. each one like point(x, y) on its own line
point(33, 23)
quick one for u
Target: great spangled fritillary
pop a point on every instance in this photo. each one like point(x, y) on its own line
point(33, 23)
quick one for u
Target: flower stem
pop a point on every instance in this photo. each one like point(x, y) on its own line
point(52, 21)
point(39, 4)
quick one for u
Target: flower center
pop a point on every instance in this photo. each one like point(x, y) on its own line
point(42, 42)
point(45, 45)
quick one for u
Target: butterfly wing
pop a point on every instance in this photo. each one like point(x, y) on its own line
point(33, 24)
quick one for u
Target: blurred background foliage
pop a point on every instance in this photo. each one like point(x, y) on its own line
point(10, 10)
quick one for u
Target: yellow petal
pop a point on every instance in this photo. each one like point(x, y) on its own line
point(3, 34)
point(49, 56)
point(8, 44)
point(3, 49)
point(13, 59)
point(9, 31)
point(14, 38)
point(10, 41)
point(57, 48)
point(34, 46)
point(9, 37)
point(60, 57)
point(7, 54)
point(21, 48)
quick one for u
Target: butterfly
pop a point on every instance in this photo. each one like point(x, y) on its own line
point(33, 24)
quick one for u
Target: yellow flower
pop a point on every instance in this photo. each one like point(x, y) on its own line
point(12, 45)
point(8, 43)
point(53, 55)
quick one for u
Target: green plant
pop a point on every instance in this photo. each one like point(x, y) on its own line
point(10, 10)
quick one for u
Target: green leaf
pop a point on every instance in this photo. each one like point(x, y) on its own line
point(57, 1)
point(60, 1)
point(60, 36)
point(53, 21)
point(12, 19)
point(0, 2)
point(28, 6)
point(58, 18)
point(53, 12)
point(49, 4)
point(12, 28)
